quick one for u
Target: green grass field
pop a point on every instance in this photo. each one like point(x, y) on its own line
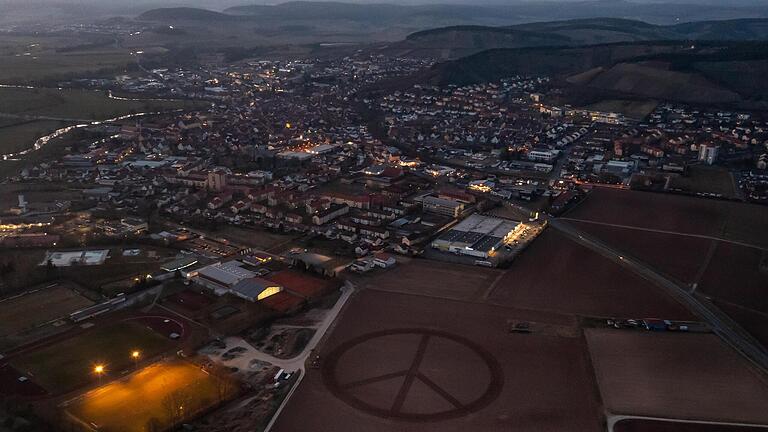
point(22, 134)
point(28, 58)
point(152, 399)
point(77, 104)
point(66, 365)
point(706, 179)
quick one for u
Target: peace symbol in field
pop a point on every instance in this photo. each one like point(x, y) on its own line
point(413, 374)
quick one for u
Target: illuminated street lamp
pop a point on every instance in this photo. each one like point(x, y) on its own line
point(135, 356)
point(99, 371)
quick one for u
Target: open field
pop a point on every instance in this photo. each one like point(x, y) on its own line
point(637, 425)
point(36, 193)
point(57, 65)
point(23, 134)
point(735, 276)
point(432, 278)
point(78, 104)
point(705, 179)
point(754, 322)
point(65, 365)
point(400, 362)
point(27, 58)
point(679, 257)
point(636, 109)
point(38, 307)
point(676, 375)
point(557, 274)
point(734, 221)
point(150, 398)
point(256, 238)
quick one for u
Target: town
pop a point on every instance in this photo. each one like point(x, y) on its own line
point(232, 252)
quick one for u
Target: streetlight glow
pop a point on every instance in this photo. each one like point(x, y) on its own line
point(135, 354)
point(99, 369)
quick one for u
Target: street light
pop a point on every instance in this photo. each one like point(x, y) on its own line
point(135, 356)
point(99, 371)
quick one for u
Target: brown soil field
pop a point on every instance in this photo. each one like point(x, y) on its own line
point(756, 323)
point(557, 274)
point(38, 307)
point(637, 425)
point(676, 256)
point(734, 276)
point(676, 375)
point(730, 220)
point(432, 278)
point(399, 362)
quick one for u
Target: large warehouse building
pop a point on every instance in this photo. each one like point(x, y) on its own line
point(477, 236)
point(232, 277)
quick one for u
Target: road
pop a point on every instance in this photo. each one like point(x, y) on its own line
point(295, 364)
point(721, 324)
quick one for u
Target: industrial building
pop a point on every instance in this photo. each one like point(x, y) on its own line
point(477, 236)
point(232, 277)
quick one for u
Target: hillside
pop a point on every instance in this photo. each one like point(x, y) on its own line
point(184, 14)
point(711, 72)
point(381, 22)
point(459, 41)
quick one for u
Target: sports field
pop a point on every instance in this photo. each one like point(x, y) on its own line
point(151, 399)
point(38, 307)
point(65, 365)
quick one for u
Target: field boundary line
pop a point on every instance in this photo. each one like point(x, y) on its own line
point(702, 236)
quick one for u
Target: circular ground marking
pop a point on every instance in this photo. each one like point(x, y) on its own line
point(413, 374)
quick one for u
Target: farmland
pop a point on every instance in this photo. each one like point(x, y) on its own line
point(677, 256)
point(687, 215)
point(558, 275)
point(735, 276)
point(28, 58)
point(471, 368)
point(726, 264)
point(152, 398)
point(76, 104)
point(702, 179)
point(638, 425)
point(37, 307)
point(681, 376)
point(432, 278)
point(21, 134)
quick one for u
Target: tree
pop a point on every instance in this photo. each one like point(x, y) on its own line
point(176, 404)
